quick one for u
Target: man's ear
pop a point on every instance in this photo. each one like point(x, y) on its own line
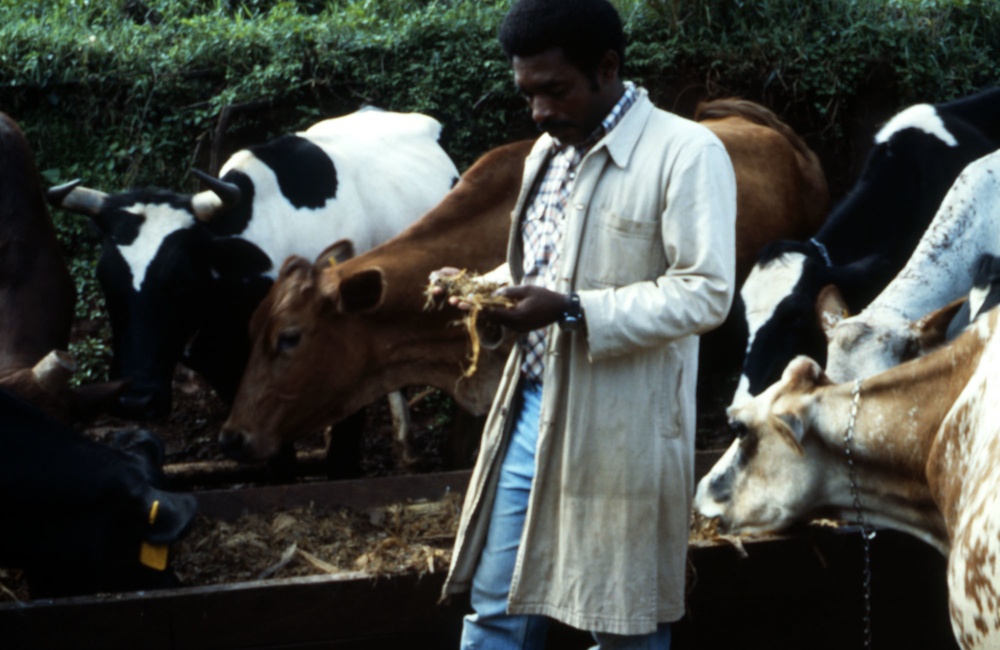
point(609, 66)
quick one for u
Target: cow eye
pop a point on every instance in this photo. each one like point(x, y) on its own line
point(288, 339)
point(738, 429)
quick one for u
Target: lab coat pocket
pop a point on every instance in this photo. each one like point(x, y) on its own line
point(622, 251)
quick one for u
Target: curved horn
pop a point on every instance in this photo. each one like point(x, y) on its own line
point(219, 197)
point(52, 373)
point(69, 196)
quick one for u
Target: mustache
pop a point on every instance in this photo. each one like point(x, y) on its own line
point(547, 126)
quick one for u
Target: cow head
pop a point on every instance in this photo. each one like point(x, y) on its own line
point(867, 344)
point(159, 270)
point(774, 471)
point(307, 349)
point(782, 297)
point(329, 340)
point(90, 516)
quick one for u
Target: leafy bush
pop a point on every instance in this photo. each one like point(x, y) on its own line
point(131, 92)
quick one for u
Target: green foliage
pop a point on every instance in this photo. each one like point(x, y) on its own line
point(137, 92)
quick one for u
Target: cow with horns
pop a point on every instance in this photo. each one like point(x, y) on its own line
point(36, 291)
point(183, 273)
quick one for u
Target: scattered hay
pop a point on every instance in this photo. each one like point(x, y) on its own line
point(305, 541)
point(13, 586)
point(470, 288)
point(703, 529)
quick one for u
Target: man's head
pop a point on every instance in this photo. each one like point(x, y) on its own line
point(567, 57)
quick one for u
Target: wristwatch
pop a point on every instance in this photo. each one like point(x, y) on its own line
point(572, 318)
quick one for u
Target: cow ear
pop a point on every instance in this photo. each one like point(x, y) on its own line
point(931, 330)
point(791, 428)
point(336, 253)
point(294, 265)
point(174, 514)
point(831, 308)
point(359, 292)
point(803, 373)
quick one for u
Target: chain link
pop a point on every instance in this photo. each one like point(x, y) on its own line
point(867, 533)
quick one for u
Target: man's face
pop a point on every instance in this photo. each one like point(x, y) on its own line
point(564, 101)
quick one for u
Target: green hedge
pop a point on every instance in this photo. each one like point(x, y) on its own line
point(125, 93)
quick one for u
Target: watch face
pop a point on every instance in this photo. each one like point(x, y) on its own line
point(572, 318)
point(571, 323)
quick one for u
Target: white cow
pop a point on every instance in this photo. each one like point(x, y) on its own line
point(893, 328)
point(926, 453)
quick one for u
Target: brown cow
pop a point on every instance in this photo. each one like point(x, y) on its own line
point(329, 339)
point(781, 190)
point(36, 291)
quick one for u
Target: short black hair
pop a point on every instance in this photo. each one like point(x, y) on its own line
point(583, 29)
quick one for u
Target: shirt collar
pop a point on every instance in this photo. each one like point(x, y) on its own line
point(612, 119)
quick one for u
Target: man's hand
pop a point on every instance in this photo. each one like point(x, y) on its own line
point(535, 308)
point(437, 290)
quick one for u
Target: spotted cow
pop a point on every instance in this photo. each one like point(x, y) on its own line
point(867, 238)
point(925, 447)
point(892, 328)
point(183, 273)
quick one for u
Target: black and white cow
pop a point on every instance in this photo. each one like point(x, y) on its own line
point(80, 516)
point(177, 266)
point(869, 235)
point(908, 317)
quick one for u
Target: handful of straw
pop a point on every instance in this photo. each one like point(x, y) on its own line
point(470, 288)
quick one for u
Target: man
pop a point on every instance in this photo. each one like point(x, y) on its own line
point(622, 252)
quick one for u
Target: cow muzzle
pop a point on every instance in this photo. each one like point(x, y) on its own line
point(243, 446)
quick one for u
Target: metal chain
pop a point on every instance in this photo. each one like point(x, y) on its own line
point(867, 533)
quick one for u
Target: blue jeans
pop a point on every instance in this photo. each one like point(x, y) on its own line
point(490, 627)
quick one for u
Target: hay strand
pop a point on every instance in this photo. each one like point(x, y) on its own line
point(479, 294)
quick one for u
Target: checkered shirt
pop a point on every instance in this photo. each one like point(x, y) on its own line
point(545, 222)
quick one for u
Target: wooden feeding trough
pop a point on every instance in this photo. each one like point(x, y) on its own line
point(801, 590)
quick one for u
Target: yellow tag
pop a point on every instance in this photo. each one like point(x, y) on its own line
point(154, 555)
point(333, 261)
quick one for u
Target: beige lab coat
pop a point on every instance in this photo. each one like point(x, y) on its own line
point(649, 246)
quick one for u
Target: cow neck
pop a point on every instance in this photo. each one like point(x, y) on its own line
point(867, 533)
point(889, 452)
